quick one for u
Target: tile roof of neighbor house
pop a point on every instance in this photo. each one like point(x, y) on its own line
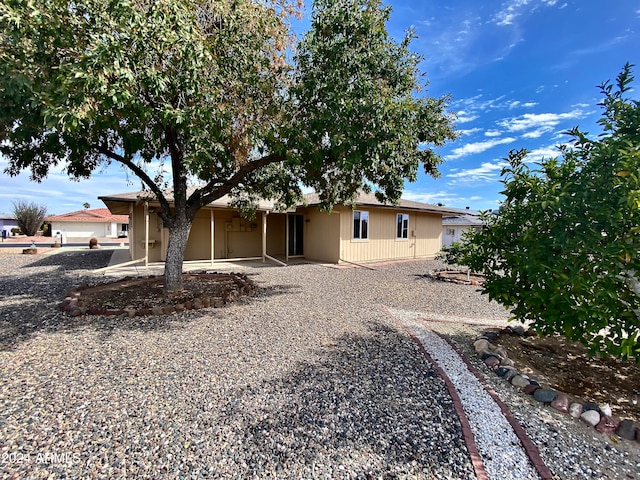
point(364, 199)
point(101, 215)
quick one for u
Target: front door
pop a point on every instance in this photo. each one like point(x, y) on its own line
point(295, 230)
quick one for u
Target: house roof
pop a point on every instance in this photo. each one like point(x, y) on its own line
point(462, 220)
point(98, 215)
point(370, 200)
point(117, 203)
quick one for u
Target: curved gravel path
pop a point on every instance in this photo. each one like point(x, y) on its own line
point(308, 379)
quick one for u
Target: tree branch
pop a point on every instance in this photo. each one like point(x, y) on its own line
point(139, 172)
point(215, 193)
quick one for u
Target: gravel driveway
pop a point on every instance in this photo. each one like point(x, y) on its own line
point(308, 379)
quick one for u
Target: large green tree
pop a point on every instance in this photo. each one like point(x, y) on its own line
point(212, 90)
point(563, 252)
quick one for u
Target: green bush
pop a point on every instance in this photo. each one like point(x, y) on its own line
point(563, 250)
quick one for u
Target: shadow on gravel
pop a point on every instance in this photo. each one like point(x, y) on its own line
point(30, 296)
point(372, 407)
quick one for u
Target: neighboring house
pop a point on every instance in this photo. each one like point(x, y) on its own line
point(368, 232)
point(7, 222)
point(454, 227)
point(96, 222)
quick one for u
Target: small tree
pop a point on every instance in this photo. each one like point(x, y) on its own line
point(563, 252)
point(29, 216)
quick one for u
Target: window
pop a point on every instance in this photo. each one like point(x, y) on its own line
point(402, 225)
point(451, 231)
point(360, 225)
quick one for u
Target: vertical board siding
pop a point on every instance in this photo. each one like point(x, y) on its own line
point(276, 234)
point(321, 235)
point(199, 242)
point(424, 236)
point(155, 233)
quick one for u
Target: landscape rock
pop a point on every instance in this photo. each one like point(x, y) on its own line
point(491, 335)
point(561, 403)
point(507, 362)
point(591, 406)
point(492, 361)
point(487, 354)
point(606, 410)
point(607, 424)
point(530, 389)
point(590, 417)
point(627, 429)
point(519, 381)
point(481, 345)
point(575, 410)
point(510, 374)
point(545, 395)
point(514, 330)
point(501, 352)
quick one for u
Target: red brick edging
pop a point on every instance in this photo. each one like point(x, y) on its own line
point(467, 433)
point(530, 448)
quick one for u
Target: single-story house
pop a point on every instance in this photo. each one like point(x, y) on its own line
point(95, 222)
point(368, 231)
point(7, 222)
point(454, 226)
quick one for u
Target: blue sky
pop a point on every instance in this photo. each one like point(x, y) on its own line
point(520, 73)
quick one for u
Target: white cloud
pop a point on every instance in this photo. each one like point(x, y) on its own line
point(465, 117)
point(542, 153)
point(478, 147)
point(535, 133)
point(486, 172)
point(446, 198)
point(538, 123)
point(492, 133)
point(450, 199)
point(469, 131)
point(512, 9)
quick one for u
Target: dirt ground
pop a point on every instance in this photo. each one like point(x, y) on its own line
point(566, 366)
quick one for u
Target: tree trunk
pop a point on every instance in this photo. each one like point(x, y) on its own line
point(178, 236)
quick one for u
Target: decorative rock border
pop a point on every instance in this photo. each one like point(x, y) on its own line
point(599, 417)
point(75, 305)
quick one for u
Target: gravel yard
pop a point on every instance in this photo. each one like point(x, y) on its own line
point(311, 378)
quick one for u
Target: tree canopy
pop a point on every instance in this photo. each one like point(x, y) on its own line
point(216, 96)
point(563, 251)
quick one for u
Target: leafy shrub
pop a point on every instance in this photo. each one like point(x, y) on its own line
point(563, 252)
point(29, 216)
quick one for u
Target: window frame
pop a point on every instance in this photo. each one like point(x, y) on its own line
point(363, 219)
point(402, 226)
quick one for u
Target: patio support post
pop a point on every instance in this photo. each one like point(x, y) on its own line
point(146, 234)
point(130, 234)
point(264, 235)
point(213, 237)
